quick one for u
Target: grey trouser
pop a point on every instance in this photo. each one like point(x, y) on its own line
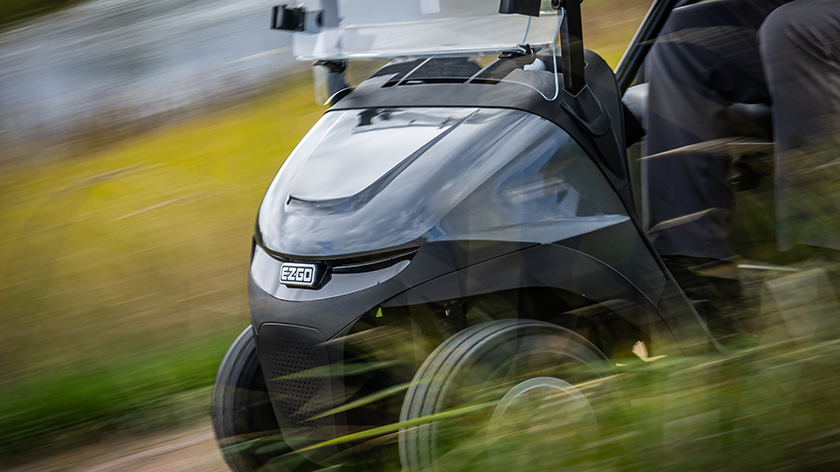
point(720, 52)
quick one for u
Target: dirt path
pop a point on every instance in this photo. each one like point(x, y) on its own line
point(192, 450)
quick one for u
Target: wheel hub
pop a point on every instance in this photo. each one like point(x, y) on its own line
point(538, 423)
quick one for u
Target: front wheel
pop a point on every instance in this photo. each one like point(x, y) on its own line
point(243, 419)
point(507, 395)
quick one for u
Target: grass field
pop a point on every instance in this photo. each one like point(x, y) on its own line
point(124, 272)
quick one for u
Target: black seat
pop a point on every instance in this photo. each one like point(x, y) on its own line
point(743, 119)
point(751, 119)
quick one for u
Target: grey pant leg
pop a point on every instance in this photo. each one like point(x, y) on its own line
point(705, 59)
point(800, 48)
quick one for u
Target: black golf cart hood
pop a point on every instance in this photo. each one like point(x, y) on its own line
point(367, 181)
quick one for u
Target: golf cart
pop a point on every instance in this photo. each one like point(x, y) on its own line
point(454, 244)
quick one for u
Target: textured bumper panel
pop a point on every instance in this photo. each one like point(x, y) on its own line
point(296, 364)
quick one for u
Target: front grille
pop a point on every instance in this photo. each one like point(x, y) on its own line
point(295, 363)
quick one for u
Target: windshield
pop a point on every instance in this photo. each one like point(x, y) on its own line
point(349, 40)
point(373, 29)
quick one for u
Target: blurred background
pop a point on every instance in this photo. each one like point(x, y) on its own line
point(137, 138)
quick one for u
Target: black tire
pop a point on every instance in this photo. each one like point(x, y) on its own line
point(499, 369)
point(243, 419)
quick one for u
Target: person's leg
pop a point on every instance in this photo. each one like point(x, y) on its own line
point(705, 59)
point(800, 49)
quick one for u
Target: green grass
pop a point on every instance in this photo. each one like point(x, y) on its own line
point(145, 391)
point(124, 273)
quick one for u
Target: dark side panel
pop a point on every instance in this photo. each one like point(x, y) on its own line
point(543, 266)
point(623, 248)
